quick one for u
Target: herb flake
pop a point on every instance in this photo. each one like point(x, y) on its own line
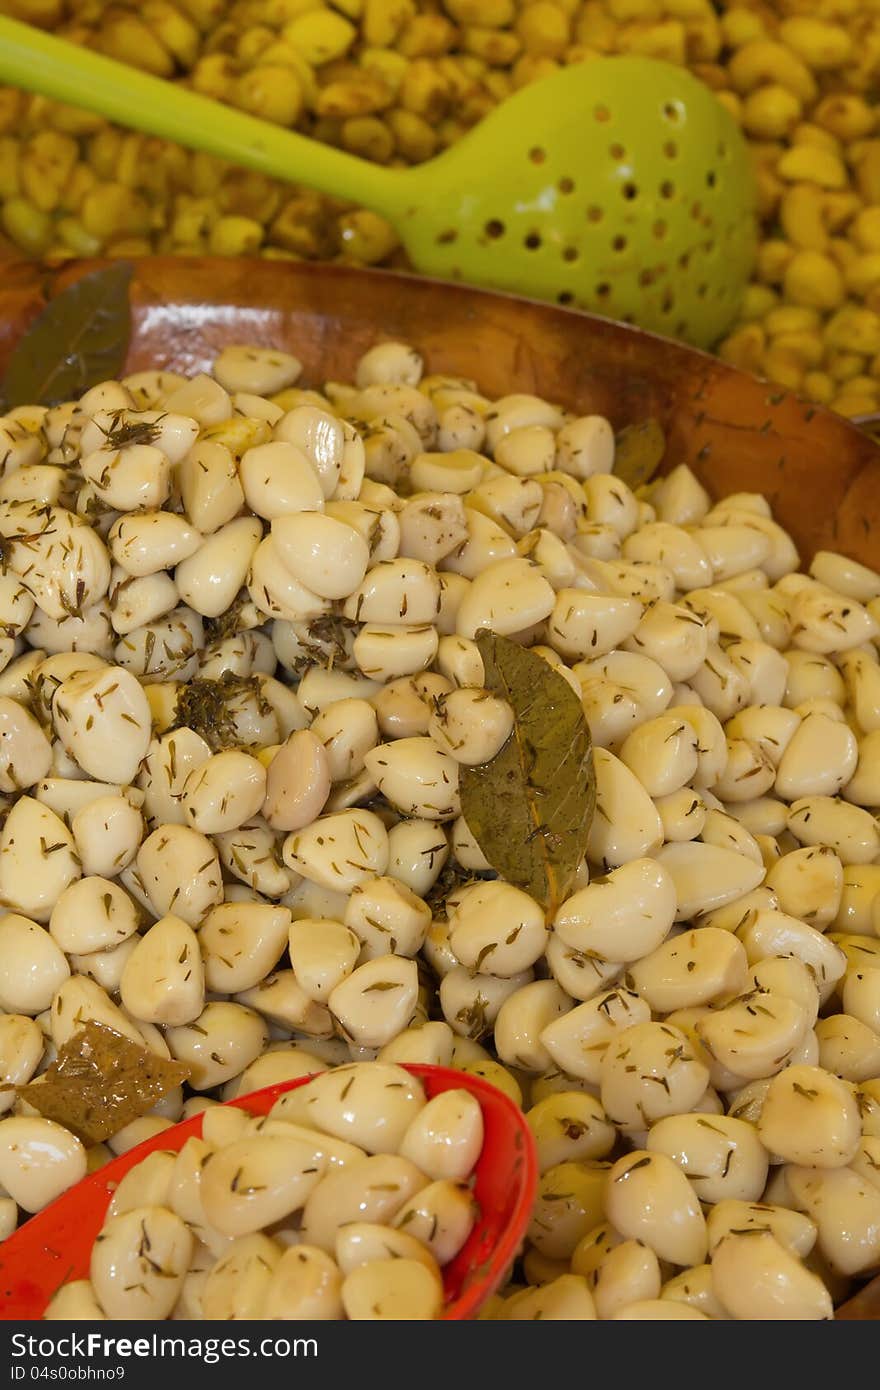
point(530, 807)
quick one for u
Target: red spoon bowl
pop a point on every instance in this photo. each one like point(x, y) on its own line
point(55, 1246)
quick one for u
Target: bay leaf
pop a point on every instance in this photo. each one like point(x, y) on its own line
point(638, 452)
point(530, 807)
point(100, 1082)
point(79, 339)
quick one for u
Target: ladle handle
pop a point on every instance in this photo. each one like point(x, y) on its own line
point(55, 68)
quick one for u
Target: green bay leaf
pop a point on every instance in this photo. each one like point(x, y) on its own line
point(638, 452)
point(79, 339)
point(530, 807)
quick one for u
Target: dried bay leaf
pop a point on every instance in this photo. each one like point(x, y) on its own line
point(638, 452)
point(79, 339)
point(100, 1082)
point(530, 807)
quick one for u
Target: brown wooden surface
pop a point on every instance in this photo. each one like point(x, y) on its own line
point(821, 475)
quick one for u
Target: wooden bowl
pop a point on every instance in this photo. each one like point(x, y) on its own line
point(820, 474)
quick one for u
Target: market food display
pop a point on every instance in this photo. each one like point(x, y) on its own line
point(396, 81)
point(573, 210)
point(272, 657)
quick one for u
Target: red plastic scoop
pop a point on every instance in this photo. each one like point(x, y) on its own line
point(55, 1246)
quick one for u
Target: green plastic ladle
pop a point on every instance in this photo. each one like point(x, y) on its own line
point(619, 185)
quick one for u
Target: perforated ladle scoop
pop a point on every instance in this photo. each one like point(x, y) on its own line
point(620, 184)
